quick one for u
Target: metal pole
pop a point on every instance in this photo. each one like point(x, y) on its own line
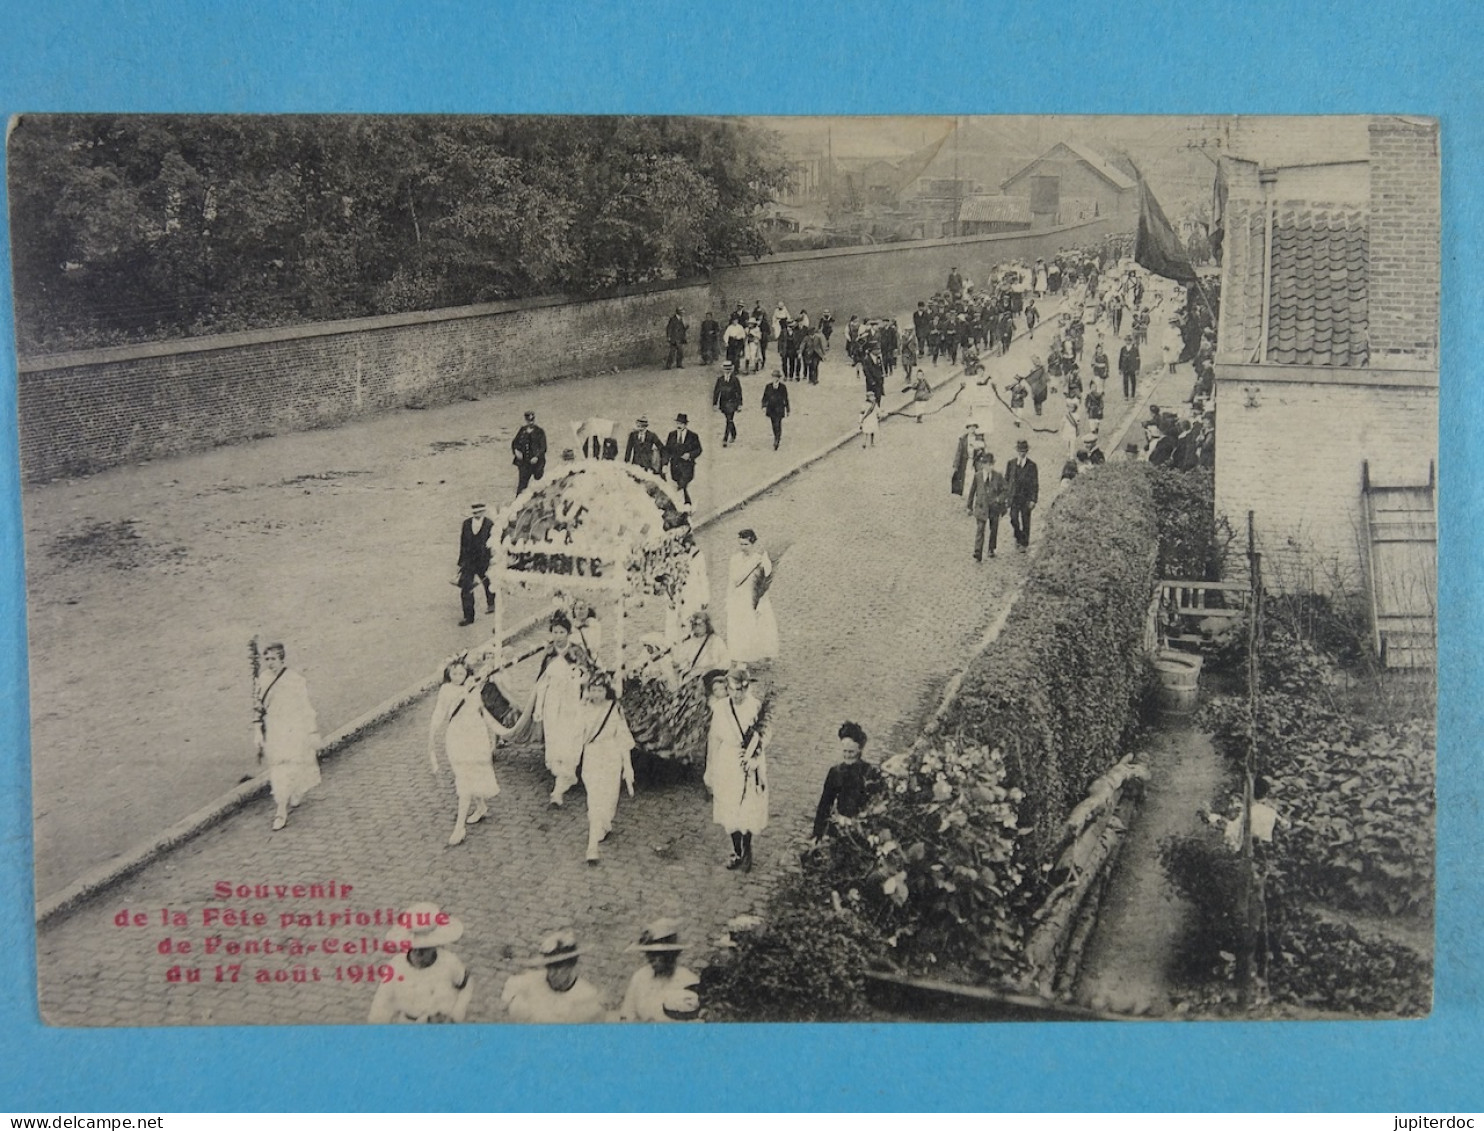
point(1269, 180)
point(1245, 958)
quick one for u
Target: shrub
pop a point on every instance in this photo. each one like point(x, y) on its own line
point(1357, 795)
point(1059, 690)
point(1209, 876)
point(1329, 965)
point(805, 962)
point(931, 863)
point(1193, 540)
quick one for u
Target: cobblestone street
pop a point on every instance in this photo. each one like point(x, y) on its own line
point(145, 583)
point(879, 602)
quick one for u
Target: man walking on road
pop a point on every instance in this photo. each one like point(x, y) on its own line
point(986, 502)
point(1023, 486)
point(529, 449)
point(775, 405)
point(644, 448)
point(816, 345)
point(675, 332)
point(682, 448)
point(727, 396)
point(1128, 367)
point(474, 561)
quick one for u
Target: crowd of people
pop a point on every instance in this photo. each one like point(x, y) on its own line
point(699, 695)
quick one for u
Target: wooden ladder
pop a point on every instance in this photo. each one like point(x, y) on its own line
point(1402, 570)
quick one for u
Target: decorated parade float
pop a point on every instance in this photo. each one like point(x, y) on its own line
point(605, 540)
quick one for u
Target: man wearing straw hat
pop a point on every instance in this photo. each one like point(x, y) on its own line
point(663, 990)
point(429, 984)
point(551, 992)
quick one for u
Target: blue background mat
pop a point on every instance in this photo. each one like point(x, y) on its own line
point(859, 58)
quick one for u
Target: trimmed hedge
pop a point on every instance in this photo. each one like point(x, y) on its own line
point(947, 863)
point(1061, 689)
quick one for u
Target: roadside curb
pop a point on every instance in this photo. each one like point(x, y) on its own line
point(132, 861)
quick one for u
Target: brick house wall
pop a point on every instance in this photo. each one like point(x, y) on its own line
point(1405, 241)
point(88, 411)
point(1292, 439)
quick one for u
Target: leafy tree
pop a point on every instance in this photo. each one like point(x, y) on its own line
point(130, 228)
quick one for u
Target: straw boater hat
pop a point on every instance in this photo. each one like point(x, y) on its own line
point(661, 935)
point(557, 947)
point(419, 926)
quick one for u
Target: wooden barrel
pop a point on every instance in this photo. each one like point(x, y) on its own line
point(1179, 681)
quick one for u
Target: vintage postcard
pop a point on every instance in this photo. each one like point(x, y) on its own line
point(696, 569)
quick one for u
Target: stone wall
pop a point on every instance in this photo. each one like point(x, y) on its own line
point(88, 411)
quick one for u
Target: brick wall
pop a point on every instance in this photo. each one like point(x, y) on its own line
point(1292, 451)
point(1404, 240)
point(88, 411)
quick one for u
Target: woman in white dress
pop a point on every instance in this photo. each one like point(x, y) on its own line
point(693, 597)
point(288, 733)
point(605, 759)
point(752, 630)
point(468, 741)
point(557, 706)
point(736, 765)
point(702, 651)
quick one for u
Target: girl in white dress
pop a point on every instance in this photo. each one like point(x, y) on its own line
point(736, 765)
point(557, 706)
point(752, 630)
point(605, 759)
point(468, 741)
point(870, 422)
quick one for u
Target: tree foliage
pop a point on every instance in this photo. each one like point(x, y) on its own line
point(131, 227)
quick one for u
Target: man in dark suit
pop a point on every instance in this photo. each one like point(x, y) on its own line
point(675, 331)
point(1128, 366)
point(644, 448)
point(529, 449)
point(1023, 486)
point(682, 448)
point(986, 502)
point(474, 561)
point(710, 339)
point(775, 405)
point(726, 395)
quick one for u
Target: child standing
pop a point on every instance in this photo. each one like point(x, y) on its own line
point(870, 422)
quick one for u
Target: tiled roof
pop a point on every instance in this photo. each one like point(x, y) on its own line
point(995, 209)
point(1318, 303)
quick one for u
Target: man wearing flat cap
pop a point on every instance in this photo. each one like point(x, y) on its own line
point(551, 992)
point(682, 448)
point(662, 990)
point(644, 448)
point(474, 561)
point(529, 449)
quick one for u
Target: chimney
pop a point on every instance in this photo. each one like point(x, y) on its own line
point(1405, 249)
